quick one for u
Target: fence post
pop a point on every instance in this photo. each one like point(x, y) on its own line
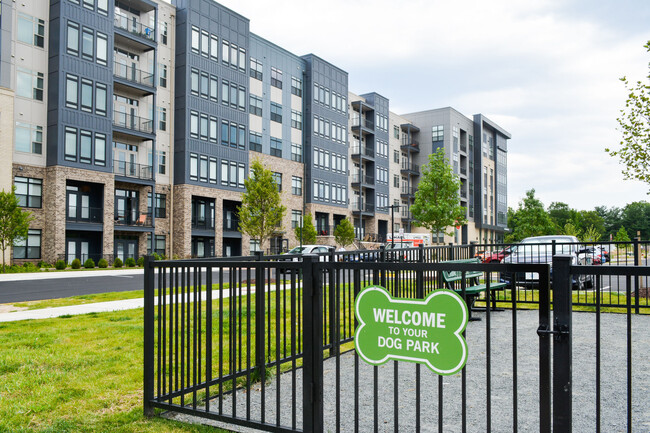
point(637, 261)
point(260, 363)
point(382, 259)
point(149, 315)
point(419, 281)
point(312, 325)
point(333, 308)
point(451, 251)
point(562, 344)
point(472, 251)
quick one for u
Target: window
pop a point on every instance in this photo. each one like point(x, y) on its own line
point(163, 75)
point(277, 178)
point(72, 46)
point(29, 138)
point(296, 86)
point(296, 217)
point(195, 40)
point(233, 95)
point(86, 146)
point(194, 124)
point(102, 49)
point(31, 30)
point(255, 142)
point(214, 47)
point(396, 156)
point(29, 191)
point(296, 119)
point(225, 92)
point(224, 133)
point(194, 82)
point(255, 105)
point(296, 185)
point(100, 99)
point(29, 84)
point(70, 144)
point(194, 166)
point(30, 248)
point(233, 55)
point(100, 149)
point(213, 170)
point(89, 4)
point(276, 112)
point(242, 99)
point(296, 152)
point(71, 91)
point(205, 87)
point(203, 168)
point(87, 44)
point(162, 118)
point(256, 69)
point(276, 147)
point(86, 95)
point(205, 44)
point(396, 181)
point(163, 32)
point(214, 86)
point(203, 129)
point(225, 52)
point(162, 161)
point(241, 140)
point(437, 133)
point(276, 78)
point(213, 129)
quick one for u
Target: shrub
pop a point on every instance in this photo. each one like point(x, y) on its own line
point(130, 262)
point(89, 264)
point(117, 263)
point(29, 267)
point(76, 264)
point(43, 264)
point(60, 265)
point(141, 262)
point(102, 263)
point(156, 256)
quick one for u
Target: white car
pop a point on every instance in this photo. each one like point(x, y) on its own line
point(307, 249)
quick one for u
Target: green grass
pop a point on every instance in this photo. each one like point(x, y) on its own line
point(78, 300)
point(76, 374)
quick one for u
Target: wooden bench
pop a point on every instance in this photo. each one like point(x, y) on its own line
point(473, 287)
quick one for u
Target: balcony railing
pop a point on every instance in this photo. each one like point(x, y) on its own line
point(231, 224)
point(408, 190)
point(85, 214)
point(133, 74)
point(132, 169)
point(323, 230)
point(406, 215)
point(363, 122)
point(362, 207)
point(410, 167)
point(134, 26)
point(133, 219)
point(360, 178)
point(129, 121)
point(410, 144)
point(463, 170)
point(206, 224)
point(364, 151)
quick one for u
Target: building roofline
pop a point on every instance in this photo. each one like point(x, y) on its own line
point(482, 118)
point(305, 56)
point(279, 48)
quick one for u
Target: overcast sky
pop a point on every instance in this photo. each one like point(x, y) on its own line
point(545, 70)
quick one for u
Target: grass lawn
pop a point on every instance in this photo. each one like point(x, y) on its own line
point(76, 374)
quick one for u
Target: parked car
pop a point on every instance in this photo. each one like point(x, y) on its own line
point(538, 249)
point(598, 254)
point(306, 249)
point(496, 256)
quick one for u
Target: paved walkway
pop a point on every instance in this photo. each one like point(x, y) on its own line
point(68, 274)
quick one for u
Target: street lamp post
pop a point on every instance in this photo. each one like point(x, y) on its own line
point(392, 222)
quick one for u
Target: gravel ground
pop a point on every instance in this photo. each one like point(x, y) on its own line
point(613, 383)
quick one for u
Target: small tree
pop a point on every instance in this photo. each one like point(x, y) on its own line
point(14, 222)
point(530, 219)
point(308, 231)
point(571, 230)
point(261, 211)
point(437, 200)
point(591, 235)
point(344, 233)
point(622, 236)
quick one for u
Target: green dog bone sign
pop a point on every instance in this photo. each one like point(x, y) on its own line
point(426, 331)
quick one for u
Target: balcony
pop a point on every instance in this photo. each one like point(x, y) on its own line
point(132, 170)
point(85, 214)
point(131, 123)
point(134, 78)
point(410, 145)
point(362, 179)
point(231, 224)
point(204, 224)
point(408, 192)
point(362, 122)
point(407, 216)
point(359, 152)
point(410, 168)
point(133, 220)
point(133, 33)
point(363, 207)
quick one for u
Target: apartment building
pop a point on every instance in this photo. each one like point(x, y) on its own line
point(128, 127)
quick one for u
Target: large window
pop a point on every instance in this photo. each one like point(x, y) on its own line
point(255, 105)
point(87, 44)
point(31, 30)
point(296, 185)
point(29, 138)
point(296, 152)
point(72, 46)
point(296, 86)
point(70, 144)
point(30, 248)
point(276, 78)
point(29, 84)
point(29, 191)
point(100, 99)
point(296, 216)
point(195, 40)
point(255, 142)
point(437, 133)
point(102, 49)
point(256, 69)
point(277, 178)
point(296, 119)
point(276, 147)
point(276, 112)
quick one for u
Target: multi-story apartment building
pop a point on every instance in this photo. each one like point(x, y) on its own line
point(128, 127)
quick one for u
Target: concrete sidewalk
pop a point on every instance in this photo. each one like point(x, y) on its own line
point(24, 276)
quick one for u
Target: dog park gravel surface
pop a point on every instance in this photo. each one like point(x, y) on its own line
point(613, 383)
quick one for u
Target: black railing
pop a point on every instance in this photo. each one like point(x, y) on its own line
point(270, 345)
point(134, 27)
point(206, 224)
point(408, 190)
point(410, 144)
point(129, 121)
point(406, 166)
point(231, 224)
point(363, 122)
point(362, 206)
point(363, 151)
point(364, 179)
point(141, 220)
point(133, 74)
point(132, 169)
point(84, 214)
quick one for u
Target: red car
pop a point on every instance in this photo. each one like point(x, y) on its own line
point(496, 257)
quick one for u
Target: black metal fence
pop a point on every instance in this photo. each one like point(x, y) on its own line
point(267, 342)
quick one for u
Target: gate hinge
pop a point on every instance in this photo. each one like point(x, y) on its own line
point(558, 332)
